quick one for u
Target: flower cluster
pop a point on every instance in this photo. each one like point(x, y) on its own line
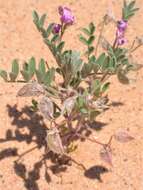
point(66, 15)
point(121, 28)
point(66, 18)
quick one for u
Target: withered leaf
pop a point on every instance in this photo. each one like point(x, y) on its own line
point(122, 77)
point(54, 141)
point(106, 155)
point(139, 40)
point(110, 16)
point(104, 43)
point(137, 67)
point(31, 89)
point(46, 107)
point(100, 104)
point(68, 105)
point(123, 136)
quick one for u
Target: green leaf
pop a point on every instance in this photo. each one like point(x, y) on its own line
point(128, 10)
point(49, 29)
point(32, 66)
point(106, 64)
point(26, 75)
point(86, 31)
point(15, 67)
point(34, 106)
point(49, 77)
point(44, 33)
point(91, 40)
point(48, 43)
point(86, 69)
point(131, 5)
point(55, 38)
point(92, 28)
point(83, 40)
point(92, 59)
point(90, 50)
point(80, 102)
point(42, 67)
point(76, 62)
point(39, 76)
point(35, 17)
point(105, 87)
point(25, 66)
point(3, 74)
point(100, 60)
point(42, 20)
point(60, 46)
point(84, 110)
point(15, 70)
point(111, 65)
point(58, 70)
point(96, 87)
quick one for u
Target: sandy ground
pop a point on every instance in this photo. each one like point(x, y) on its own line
point(19, 39)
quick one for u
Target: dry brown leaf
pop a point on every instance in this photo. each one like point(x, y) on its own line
point(31, 89)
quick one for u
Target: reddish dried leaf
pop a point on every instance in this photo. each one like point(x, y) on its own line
point(31, 89)
point(106, 155)
point(123, 136)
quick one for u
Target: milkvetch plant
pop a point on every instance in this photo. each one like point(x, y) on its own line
point(72, 105)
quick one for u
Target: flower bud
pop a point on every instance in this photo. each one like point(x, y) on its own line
point(56, 28)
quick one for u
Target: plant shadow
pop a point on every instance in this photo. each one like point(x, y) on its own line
point(36, 132)
point(30, 128)
point(116, 104)
point(95, 172)
point(97, 125)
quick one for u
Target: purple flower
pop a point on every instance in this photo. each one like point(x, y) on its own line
point(122, 25)
point(66, 15)
point(56, 28)
point(119, 33)
point(121, 41)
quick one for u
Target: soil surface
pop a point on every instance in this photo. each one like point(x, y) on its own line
point(20, 39)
